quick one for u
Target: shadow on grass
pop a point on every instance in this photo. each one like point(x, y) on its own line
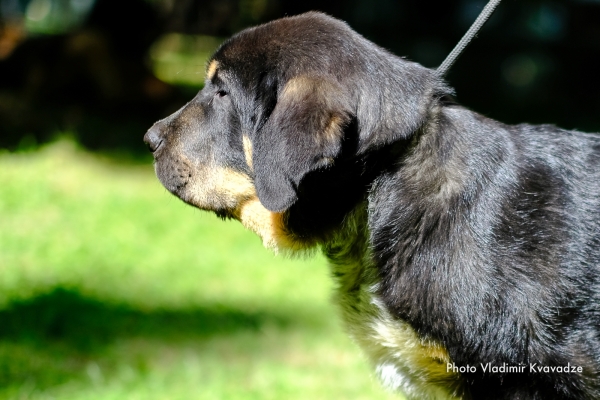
point(67, 316)
point(53, 339)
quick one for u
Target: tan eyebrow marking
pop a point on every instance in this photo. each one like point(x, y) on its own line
point(212, 69)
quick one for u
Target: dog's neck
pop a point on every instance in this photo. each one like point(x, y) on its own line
point(327, 197)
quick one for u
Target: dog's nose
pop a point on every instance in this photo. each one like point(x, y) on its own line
point(153, 139)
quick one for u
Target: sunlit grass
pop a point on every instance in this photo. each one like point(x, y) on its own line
point(111, 288)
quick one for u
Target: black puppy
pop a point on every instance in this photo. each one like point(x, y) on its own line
point(466, 252)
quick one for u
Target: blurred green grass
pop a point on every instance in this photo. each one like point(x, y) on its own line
point(111, 288)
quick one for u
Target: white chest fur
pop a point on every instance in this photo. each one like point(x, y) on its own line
point(403, 361)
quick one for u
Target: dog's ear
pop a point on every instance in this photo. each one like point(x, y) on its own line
point(303, 133)
point(396, 103)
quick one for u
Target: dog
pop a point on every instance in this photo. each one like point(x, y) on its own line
point(466, 252)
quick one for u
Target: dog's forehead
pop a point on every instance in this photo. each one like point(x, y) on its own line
point(283, 43)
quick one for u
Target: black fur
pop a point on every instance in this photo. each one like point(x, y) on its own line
point(486, 236)
point(505, 269)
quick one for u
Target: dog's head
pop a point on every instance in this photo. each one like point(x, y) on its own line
point(283, 134)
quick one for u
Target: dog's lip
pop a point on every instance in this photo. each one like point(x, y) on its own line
point(181, 191)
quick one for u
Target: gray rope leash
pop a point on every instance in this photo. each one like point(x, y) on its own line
point(466, 39)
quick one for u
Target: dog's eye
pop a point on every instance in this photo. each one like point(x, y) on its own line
point(221, 93)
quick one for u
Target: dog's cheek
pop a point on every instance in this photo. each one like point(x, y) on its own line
point(224, 189)
point(218, 189)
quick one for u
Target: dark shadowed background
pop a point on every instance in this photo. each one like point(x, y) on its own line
point(104, 70)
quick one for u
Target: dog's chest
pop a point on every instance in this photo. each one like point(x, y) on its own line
point(403, 361)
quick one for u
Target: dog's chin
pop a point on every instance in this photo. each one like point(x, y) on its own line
point(231, 195)
point(222, 207)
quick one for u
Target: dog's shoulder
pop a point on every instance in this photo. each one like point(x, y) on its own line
point(503, 219)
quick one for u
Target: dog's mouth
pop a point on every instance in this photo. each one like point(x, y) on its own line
point(221, 190)
point(244, 206)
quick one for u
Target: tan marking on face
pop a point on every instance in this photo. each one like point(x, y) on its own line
point(212, 69)
point(218, 188)
point(247, 150)
point(224, 188)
